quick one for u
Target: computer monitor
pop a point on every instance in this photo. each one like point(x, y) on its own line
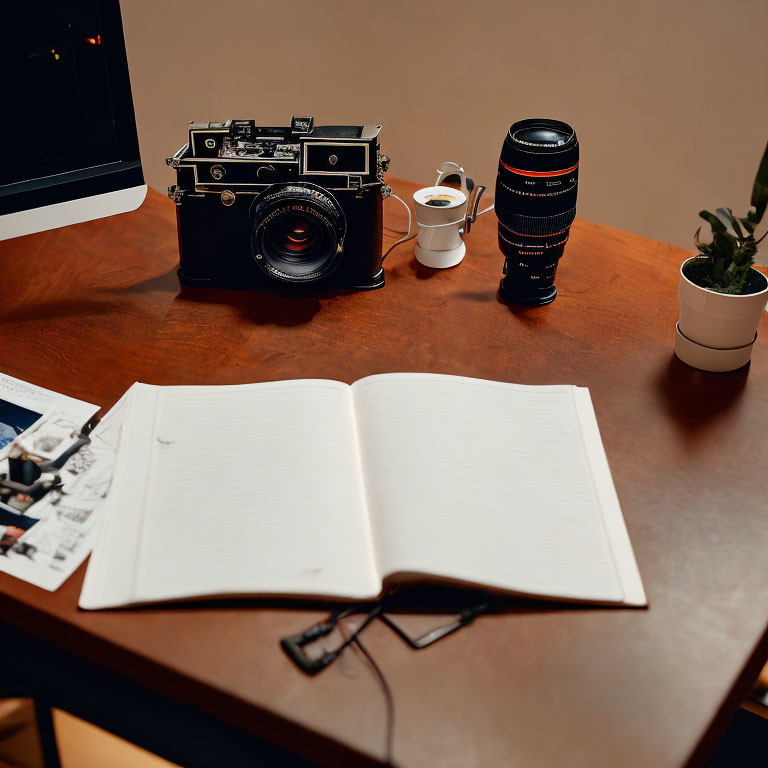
point(69, 151)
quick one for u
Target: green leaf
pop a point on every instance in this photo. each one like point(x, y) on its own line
point(748, 224)
point(726, 216)
point(725, 243)
point(759, 199)
point(737, 227)
point(714, 222)
point(731, 252)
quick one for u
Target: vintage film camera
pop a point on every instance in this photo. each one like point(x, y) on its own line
point(297, 206)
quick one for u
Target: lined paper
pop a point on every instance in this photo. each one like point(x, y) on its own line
point(483, 482)
point(254, 489)
point(311, 487)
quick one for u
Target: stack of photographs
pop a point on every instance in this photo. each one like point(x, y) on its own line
point(52, 480)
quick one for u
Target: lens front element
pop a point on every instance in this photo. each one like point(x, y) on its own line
point(298, 233)
point(294, 235)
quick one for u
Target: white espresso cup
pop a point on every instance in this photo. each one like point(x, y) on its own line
point(440, 214)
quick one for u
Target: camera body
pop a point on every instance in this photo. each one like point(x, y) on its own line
point(280, 207)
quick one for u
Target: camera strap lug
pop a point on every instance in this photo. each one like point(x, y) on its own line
point(176, 194)
point(358, 187)
point(173, 162)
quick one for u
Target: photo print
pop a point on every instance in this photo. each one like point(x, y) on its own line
point(14, 419)
point(48, 493)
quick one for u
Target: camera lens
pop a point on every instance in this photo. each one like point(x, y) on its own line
point(535, 204)
point(294, 235)
point(298, 232)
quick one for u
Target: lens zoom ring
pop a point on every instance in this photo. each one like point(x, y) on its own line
point(536, 225)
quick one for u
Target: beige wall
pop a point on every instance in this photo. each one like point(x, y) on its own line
point(669, 97)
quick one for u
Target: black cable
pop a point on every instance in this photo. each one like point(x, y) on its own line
point(293, 646)
point(407, 236)
point(399, 242)
point(389, 735)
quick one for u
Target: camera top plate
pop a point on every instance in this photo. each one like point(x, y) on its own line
point(244, 157)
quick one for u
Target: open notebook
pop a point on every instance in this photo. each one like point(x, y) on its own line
point(317, 488)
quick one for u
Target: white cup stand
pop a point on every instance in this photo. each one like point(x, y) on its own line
point(440, 244)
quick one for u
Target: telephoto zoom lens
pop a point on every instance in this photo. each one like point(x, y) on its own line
point(535, 204)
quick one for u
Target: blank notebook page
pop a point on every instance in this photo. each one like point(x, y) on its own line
point(252, 489)
point(483, 482)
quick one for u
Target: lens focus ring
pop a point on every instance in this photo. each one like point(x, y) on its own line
point(536, 226)
point(298, 232)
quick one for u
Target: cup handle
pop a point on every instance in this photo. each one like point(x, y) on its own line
point(472, 206)
point(452, 169)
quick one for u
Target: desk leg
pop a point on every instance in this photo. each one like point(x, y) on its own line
point(45, 728)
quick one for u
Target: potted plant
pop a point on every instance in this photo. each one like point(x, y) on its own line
point(722, 296)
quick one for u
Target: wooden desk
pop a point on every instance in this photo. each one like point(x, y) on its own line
point(88, 310)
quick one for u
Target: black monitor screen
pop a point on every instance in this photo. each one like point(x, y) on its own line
point(67, 127)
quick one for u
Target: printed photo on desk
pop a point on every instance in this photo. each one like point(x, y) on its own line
point(47, 507)
point(14, 419)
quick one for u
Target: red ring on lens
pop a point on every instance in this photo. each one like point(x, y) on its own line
point(521, 172)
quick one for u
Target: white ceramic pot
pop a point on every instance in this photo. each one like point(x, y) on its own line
point(716, 331)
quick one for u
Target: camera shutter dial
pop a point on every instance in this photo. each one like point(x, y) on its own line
point(217, 172)
point(227, 197)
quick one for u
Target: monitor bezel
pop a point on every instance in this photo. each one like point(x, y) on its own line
point(82, 194)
